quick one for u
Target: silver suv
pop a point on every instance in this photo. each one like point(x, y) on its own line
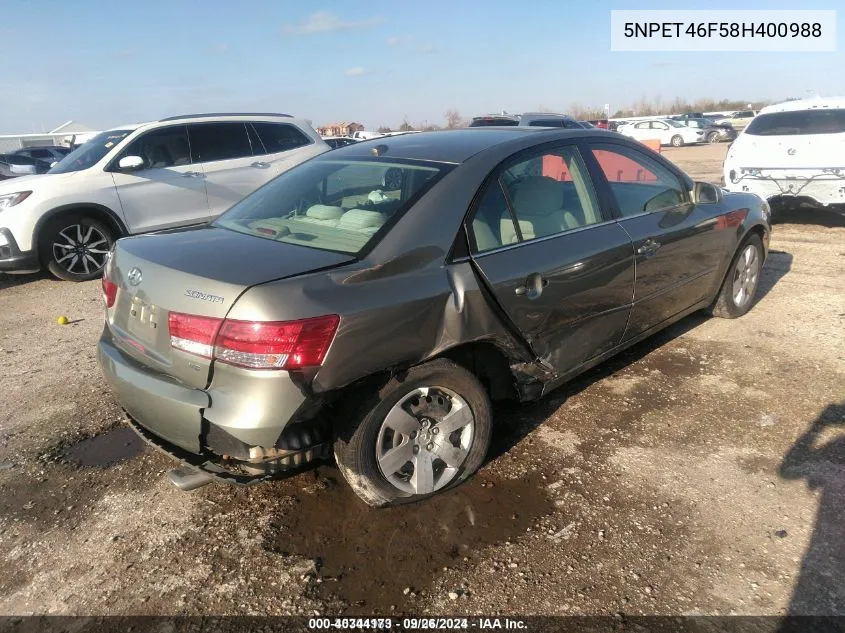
point(175, 172)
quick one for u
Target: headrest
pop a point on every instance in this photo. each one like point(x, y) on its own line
point(537, 195)
point(324, 212)
point(360, 219)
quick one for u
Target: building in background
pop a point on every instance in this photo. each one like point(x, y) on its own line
point(67, 134)
point(339, 129)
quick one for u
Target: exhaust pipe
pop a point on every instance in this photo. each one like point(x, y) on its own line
point(189, 478)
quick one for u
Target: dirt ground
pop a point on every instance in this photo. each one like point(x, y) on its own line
point(702, 472)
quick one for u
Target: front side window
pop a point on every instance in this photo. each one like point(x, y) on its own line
point(639, 183)
point(219, 141)
point(91, 152)
point(161, 148)
point(797, 122)
point(335, 205)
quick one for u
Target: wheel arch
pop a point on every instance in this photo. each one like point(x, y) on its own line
point(97, 211)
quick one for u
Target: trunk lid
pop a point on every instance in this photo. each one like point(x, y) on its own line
point(798, 152)
point(200, 272)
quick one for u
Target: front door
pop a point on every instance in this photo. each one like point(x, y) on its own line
point(560, 270)
point(168, 191)
point(679, 246)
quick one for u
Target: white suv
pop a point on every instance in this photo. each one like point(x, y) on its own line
point(793, 151)
point(177, 172)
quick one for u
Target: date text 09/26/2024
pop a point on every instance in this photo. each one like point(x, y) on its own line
point(417, 624)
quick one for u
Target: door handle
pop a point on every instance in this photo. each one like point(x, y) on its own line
point(648, 248)
point(260, 165)
point(533, 287)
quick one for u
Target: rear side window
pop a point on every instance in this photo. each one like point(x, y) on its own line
point(547, 123)
point(40, 153)
point(492, 121)
point(797, 123)
point(219, 141)
point(280, 137)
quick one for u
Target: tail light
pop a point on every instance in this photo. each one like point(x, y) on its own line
point(255, 344)
point(109, 291)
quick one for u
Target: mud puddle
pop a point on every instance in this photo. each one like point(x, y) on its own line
point(371, 559)
point(106, 449)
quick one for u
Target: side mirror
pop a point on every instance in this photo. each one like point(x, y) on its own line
point(131, 163)
point(706, 193)
point(53, 164)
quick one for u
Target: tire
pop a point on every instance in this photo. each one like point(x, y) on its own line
point(677, 141)
point(713, 137)
point(74, 247)
point(369, 449)
point(731, 304)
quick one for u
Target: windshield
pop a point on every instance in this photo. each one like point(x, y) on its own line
point(798, 122)
point(91, 152)
point(334, 205)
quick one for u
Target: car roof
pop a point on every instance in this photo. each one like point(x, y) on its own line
point(816, 103)
point(454, 146)
point(211, 117)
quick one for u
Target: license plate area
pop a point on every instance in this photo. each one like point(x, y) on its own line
point(144, 320)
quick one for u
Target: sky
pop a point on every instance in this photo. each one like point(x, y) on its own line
point(376, 62)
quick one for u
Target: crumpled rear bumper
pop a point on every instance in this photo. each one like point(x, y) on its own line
point(824, 187)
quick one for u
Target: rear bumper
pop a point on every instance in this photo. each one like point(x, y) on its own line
point(177, 419)
point(12, 259)
point(820, 188)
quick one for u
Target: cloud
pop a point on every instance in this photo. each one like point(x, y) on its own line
point(326, 22)
point(399, 40)
point(429, 49)
point(220, 49)
point(357, 71)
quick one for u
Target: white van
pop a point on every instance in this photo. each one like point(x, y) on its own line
point(793, 151)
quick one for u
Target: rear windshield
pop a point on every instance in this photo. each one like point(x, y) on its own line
point(333, 205)
point(798, 122)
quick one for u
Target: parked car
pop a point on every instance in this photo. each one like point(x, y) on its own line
point(686, 116)
point(792, 152)
point(15, 166)
point(371, 304)
point(48, 154)
point(602, 124)
point(363, 135)
point(738, 119)
point(174, 172)
point(532, 119)
point(713, 132)
point(338, 141)
point(666, 131)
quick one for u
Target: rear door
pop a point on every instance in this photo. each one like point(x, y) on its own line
point(679, 246)
point(168, 191)
point(224, 151)
point(559, 268)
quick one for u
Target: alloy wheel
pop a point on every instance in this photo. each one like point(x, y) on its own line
point(746, 273)
point(80, 250)
point(424, 440)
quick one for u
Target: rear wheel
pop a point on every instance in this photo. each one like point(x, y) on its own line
point(74, 247)
point(740, 284)
point(713, 137)
point(677, 140)
point(422, 433)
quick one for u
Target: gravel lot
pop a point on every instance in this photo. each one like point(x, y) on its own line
point(701, 472)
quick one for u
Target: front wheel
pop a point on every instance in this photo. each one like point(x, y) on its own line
point(423, 432)
point(740, 285)
point(74, 248)
point(677, 140)
point(713, 137)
